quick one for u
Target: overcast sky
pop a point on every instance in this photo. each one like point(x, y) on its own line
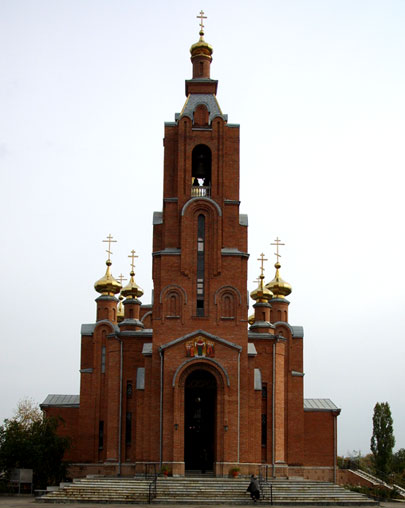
point(318, 88)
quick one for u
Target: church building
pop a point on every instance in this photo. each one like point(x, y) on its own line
point(190, 381)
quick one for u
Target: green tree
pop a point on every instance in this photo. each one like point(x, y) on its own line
point(398, 461)
point(33, 443)
point(382, 440)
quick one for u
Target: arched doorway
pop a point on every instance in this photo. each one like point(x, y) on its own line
point(199, 418)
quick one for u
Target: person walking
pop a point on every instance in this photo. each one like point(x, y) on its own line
point(254, 488)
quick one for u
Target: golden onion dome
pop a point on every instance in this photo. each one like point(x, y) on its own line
point(261, 293)
point(107, 285)
point(132, 290)
point(278, 286)
point(251, 319)
point(201, 48)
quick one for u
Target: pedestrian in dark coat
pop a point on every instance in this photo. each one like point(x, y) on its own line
point(254, 488)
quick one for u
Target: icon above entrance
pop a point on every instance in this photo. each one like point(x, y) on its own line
point(200, 347)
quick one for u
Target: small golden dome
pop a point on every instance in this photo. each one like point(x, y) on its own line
point(201, 48)
point(107, 285)
point(251, 319)
point(278, 286)
point(132, 290)
point(261, 293)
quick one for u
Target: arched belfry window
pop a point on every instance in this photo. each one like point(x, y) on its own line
point(200, 264)
point(201, 171)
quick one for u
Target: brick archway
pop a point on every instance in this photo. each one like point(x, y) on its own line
point(200, 395)
point(204, 371)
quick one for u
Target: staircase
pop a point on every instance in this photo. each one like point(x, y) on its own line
point(209, 491)
point(101, 490)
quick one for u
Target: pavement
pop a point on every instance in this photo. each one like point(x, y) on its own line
point(24, 501)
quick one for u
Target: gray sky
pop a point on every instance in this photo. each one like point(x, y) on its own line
point(318, 88)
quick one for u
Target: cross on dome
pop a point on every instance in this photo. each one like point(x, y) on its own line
point(132, 256)
point(109, 240)
point(201, 17)
point(262, 259)
point(277, 242)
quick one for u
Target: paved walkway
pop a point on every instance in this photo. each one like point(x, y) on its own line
point(29, 502)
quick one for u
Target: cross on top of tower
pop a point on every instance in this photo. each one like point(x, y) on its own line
point(277, 242)
point(201, 17)
point(132, 256)
point(109, 240)
point(262, 259)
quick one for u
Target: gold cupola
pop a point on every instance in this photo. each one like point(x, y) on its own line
point(201, 48)
point(132, 290)
point(201, 54)
point(261, 294)
point(107, 285)
point(278, 286)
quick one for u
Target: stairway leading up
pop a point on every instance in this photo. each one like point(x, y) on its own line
point(210, 491)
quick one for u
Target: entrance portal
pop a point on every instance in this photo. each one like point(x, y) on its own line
point(199, 414)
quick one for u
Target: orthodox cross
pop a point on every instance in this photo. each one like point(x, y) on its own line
point(121, 278)
point(109, 241)
point(277, 242)
point(262, 259)
point(132, 256)
point(201, 16)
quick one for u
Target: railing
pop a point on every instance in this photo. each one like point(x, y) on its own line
point(200, 191)
point(264, 480)
point(377, 481)
point(151, 472)
point(152, 490)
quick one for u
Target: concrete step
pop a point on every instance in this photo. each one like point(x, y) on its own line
point(203, 490)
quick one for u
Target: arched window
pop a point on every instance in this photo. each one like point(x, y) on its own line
point(227, 306)
point(201, 171)
point(201, 116)
point(173, 304)
point(200, 264)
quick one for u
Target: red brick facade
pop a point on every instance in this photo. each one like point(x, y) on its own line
point(186, 382)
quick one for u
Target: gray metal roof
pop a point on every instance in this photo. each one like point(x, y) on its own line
point(243, 219)
point(251, 349)
point(88, 328)
point(209, 100)
point(61, 401)
point(319, 405)
point(297, 331)
point(157, 218)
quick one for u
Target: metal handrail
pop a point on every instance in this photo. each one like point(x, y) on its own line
point(152, 489)
point(264, 479)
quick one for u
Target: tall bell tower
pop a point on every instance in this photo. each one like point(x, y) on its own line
point(200, 239)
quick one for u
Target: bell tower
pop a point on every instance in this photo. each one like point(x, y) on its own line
point(199, 238)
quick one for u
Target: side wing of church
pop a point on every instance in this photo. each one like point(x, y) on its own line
point(192, 382)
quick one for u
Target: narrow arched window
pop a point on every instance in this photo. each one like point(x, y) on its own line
point(200, 264)
point(201, 169)
point(173, 305)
